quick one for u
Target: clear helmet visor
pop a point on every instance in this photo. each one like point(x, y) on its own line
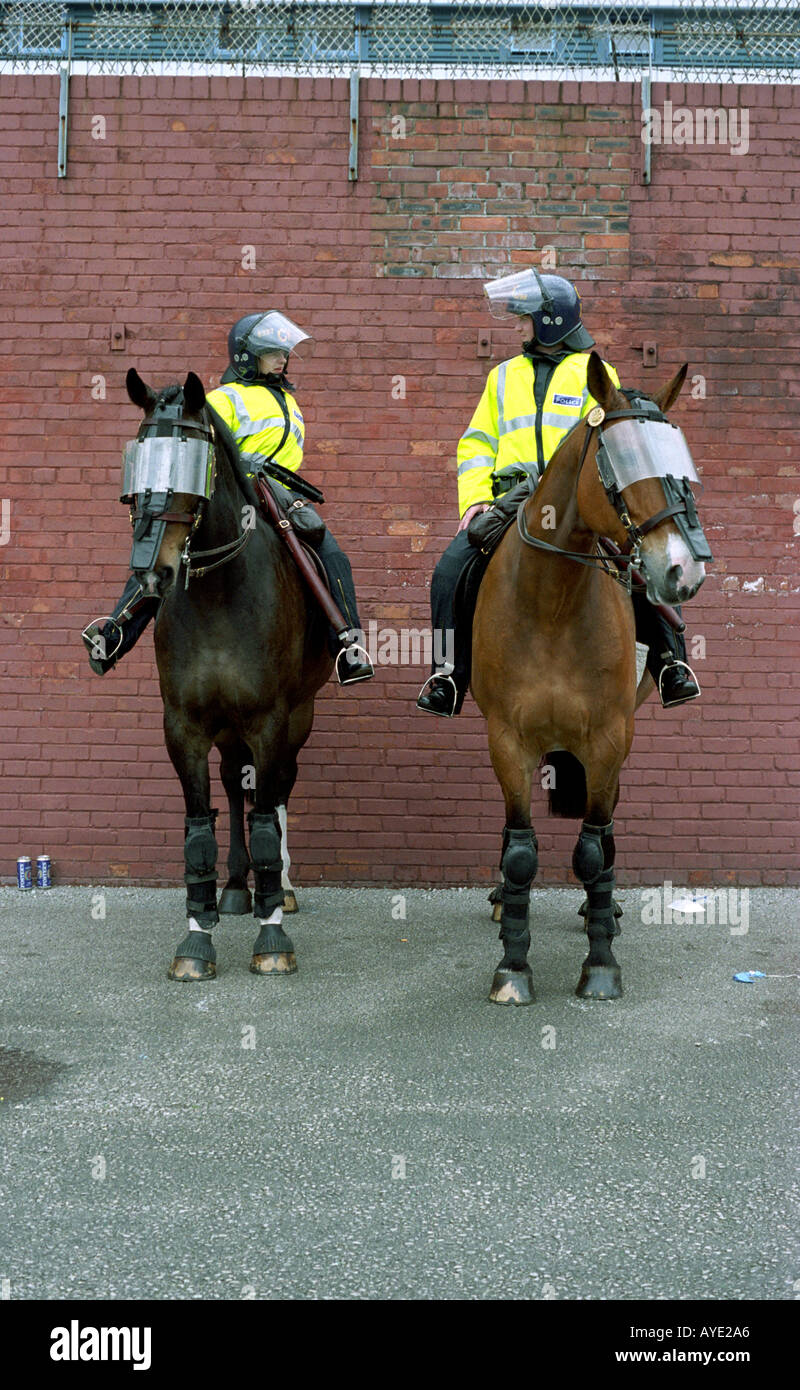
point(639, 449)
point(275, 333)
point(513, 295)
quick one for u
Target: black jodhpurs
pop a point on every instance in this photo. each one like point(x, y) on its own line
point(443, 615)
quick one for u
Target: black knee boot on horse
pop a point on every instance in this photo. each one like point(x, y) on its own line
point(195, 957)
point(273, 951)
point(593, 864)
point(513, 980)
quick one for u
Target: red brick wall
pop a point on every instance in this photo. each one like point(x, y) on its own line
point(148, 230)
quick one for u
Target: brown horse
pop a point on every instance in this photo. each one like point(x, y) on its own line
point(554, 657)
point(241, 652)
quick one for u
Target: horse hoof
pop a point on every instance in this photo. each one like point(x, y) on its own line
point(497, 912)
point(290, 901)
point(274, 963)
point(187, 968)
point(235, 902)
point(512, 987)
point(600, 982)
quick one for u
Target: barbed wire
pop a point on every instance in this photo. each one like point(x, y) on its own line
point(417, 38)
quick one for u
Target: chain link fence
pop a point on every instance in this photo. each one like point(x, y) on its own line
point(756, 42)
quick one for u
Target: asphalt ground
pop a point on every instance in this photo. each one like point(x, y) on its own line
point(372, 1127)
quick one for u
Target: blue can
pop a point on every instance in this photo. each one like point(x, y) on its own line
point(24, 875)
point(43, 879)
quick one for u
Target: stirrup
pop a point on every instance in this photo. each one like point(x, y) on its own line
point(440, 676)
point(89, 637)
point(670, 666)
point(344, 653)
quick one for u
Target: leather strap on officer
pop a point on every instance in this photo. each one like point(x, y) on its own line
point(283, 527)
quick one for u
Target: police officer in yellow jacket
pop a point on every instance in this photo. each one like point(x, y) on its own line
point(257, 403)
point(528, 404)
point(256, 400)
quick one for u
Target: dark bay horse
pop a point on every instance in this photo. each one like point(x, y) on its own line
point(554, 657)
point(241, 652)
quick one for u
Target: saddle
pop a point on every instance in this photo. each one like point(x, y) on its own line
point(305, 521)
point(486, 530)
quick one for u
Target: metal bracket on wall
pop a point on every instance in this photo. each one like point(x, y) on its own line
point(653, 41)
point(352, 169)
point(63, 96)
point(647, 146)
point(359, 21)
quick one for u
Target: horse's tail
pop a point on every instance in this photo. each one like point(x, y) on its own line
point(567, 792)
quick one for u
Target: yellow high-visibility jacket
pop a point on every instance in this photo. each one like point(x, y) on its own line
point(508, 432)
point(256, 421)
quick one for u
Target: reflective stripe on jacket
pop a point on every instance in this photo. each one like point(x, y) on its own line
point(256, 421)
point(503, 431)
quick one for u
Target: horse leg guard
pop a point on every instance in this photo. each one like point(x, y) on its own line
point(195, 957)
point(595, 846)
point(601, 977)
point(513, 981)
point(594, 851)
point(273, 951)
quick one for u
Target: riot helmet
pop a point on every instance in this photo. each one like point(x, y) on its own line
point(256, 334)
point(550, 300)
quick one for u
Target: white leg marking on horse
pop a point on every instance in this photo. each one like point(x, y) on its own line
point(274, 920)
point(194, 926)
point(287, 863)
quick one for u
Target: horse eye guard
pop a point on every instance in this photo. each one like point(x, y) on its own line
point(632, 450)
point(170, 456)
point(167, 464)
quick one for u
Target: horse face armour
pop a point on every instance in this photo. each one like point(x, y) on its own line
point(632, 450)
point(169, 455)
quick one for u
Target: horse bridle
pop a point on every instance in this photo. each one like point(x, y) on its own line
point(172, 423)
point(629, 555)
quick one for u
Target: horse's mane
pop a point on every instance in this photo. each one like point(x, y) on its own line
point(175, 394)
point(224, 437)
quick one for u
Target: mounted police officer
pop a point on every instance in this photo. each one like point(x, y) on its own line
point(256, 401)
point(528, 405)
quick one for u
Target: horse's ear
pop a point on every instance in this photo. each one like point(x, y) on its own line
point(669, 393)
point(140, 393)
point(194, 394)
point(599, 382)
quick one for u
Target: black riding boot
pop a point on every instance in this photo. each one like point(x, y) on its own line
point(444, 691)
point(666, 657)
point(352, 658)
point(106, 642)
